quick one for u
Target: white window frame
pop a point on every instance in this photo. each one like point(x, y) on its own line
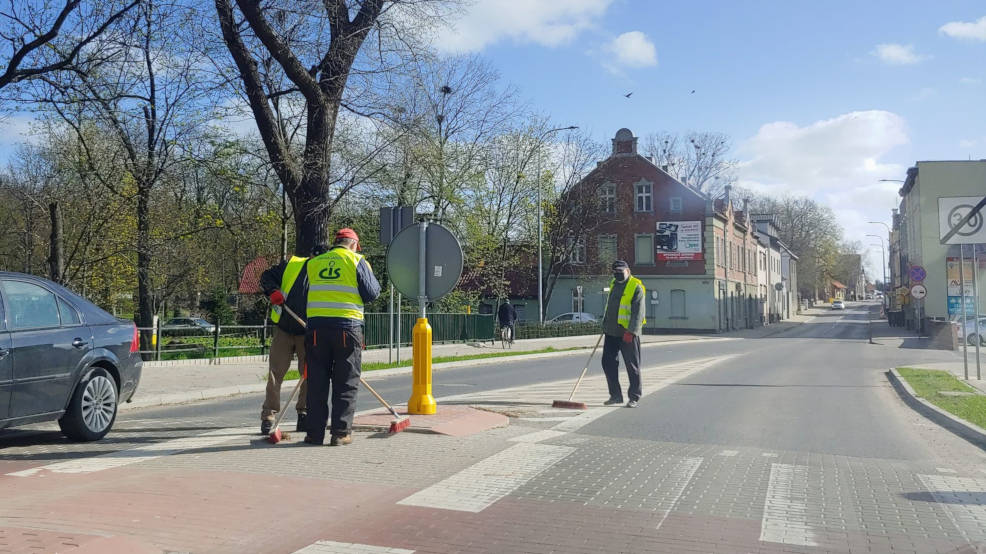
point(599, 248)
point(643, 191)
point(578, 251)
point(653, 253)
point(607, 198)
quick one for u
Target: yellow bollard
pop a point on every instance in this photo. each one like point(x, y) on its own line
point(421, 402)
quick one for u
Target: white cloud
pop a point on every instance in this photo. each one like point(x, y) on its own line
point(972, 30)
point(632, 49)
point(971, 81)
point(897, 54)
point(486, 22)
point(838, 162)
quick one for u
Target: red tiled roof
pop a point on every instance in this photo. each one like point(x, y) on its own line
point(837, 284)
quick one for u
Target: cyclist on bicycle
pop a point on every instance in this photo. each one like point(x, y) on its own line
point(507, 316)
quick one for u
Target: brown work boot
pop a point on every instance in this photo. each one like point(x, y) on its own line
point(341, 440)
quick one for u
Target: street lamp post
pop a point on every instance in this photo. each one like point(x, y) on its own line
point(888, 248)
point(883, 260)
point(540, 259)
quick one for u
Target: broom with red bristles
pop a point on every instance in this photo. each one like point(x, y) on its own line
point(276, 435)
point(398, 424)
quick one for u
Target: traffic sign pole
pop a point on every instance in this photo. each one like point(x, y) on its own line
point(975, 307)
point(422, 402)
point(965, 343)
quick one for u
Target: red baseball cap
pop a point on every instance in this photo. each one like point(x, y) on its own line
point(348, 233)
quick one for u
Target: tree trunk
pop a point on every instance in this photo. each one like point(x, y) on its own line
point(56, 251)
point(145, 308)
point(311, 220)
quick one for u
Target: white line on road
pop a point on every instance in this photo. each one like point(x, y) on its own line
point(538, 436)
point(729, 452)
point(679, 478)
point(332, 547)
point(480, 485)
point(964, 500)
point(785, 511)
point(945, 470)
point(141, 453)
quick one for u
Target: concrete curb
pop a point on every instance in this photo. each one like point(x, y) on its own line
point(968, 431)
point(172, 399)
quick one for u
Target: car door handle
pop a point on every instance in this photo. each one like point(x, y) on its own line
point(79, 343)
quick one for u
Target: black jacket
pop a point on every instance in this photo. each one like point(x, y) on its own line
point(507, 314)
point(297, 298)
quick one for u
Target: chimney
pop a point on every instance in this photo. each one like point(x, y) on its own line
point(729, 188)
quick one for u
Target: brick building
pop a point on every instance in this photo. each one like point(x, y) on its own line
point(696, 256)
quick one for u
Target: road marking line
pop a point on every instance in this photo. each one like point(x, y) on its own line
point(144, 453)
point(729, 452)
point(680, 476)
point(480, 485)
point(538, 436)
point(332, 547)
point(785, 511)
point(945, 470)
point(769, 455)
point(964, 500)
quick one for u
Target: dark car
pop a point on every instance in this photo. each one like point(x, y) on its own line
point(62, 358)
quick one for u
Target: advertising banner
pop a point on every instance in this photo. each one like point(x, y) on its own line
point(678, 240)
point(953, 279)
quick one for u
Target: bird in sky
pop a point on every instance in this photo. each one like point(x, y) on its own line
point(693, 92)
point(627, 95)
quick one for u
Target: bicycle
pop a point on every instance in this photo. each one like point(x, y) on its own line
point(506, 338)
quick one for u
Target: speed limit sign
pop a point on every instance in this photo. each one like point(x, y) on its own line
point(919, 292)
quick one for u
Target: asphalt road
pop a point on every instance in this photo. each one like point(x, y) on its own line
point(818, 388)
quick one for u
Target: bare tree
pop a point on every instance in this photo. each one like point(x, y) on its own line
point(574, 213)
point(143, 92)
point(316, 45)
point(44, 36)
point(699, 160)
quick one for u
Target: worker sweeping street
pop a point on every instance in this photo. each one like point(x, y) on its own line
point(285, 283)
point(622, 324)
point(340, 283)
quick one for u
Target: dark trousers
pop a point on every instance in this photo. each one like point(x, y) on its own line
point(612, 348)
point(333, 355)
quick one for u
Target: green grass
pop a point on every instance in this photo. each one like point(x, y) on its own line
point(371, 366)
point(928, 384)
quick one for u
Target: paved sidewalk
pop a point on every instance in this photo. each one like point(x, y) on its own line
point(164, 384)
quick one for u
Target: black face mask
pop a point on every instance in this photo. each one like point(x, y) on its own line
point(619, 276)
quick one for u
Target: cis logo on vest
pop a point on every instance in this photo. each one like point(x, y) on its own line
point(330, 272)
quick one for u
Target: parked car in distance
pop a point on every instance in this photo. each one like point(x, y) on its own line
point(967, 328)
point(838, 305)
point(572, 317)
point(194, 324)
point(62, 358)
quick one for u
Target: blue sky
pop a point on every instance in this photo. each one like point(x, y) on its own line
point(820, 98)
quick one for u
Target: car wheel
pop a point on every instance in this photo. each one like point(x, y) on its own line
point(92, 410)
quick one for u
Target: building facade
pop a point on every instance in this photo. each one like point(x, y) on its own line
point(915, 241)
point(696, 256)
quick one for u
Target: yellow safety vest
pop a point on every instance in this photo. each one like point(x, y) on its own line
point(288, 278)
point(333, 290)
point(626, 301)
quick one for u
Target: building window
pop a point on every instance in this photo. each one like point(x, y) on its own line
point(578, 300)
point(643, 196)
point(578, 251)
point(644, 249)
point(607, 249)
point(607, 198)
point(678, 304)
point(676, 204)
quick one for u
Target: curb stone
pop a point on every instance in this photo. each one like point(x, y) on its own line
point(965, 429)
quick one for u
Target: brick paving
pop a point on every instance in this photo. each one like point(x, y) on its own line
point(537, 485)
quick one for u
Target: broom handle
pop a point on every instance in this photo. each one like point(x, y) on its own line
point(586, 368)
point(284, 410)
point(380, 398)
point(361, 380)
